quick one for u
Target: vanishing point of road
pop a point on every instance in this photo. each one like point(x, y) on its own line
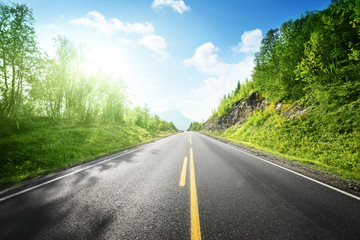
point(186, 186)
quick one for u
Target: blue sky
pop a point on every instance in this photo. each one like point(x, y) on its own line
point(171, 54)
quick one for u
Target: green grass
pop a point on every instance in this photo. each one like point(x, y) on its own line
point(325, 138)
point(41, 148)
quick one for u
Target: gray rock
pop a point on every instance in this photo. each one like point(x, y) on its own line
point(240, 112)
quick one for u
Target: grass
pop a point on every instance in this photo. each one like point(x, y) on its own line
point(42, 148)
point(325, 138)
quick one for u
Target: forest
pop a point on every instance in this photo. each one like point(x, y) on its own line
point(53, 114)
point(312, 62)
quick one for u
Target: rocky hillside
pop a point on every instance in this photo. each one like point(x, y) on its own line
point(312, 61)
point(238, 114)
point(241, 111)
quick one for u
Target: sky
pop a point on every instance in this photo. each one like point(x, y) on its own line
point(171, 54)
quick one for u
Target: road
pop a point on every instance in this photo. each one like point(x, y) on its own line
point(186, 186)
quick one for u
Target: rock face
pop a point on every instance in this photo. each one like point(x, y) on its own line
point(238, 114)
point(294, 112)
point(243, 109)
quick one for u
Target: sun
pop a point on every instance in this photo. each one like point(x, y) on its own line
point(100, 61)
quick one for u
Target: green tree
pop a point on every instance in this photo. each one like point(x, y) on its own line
point(314, 58)
point(237, 89)
point(196, 126)
point(17, 50)
point(114, 101)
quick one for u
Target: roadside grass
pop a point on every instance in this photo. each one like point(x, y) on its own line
point(324, 138)
point(43, 148)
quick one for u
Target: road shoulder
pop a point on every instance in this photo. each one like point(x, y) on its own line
point(350, 186)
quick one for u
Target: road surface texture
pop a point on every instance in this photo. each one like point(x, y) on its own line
point(186, 186)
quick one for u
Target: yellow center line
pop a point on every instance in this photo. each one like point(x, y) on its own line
point(183, 173)
point(194, 208)
point(190, 140)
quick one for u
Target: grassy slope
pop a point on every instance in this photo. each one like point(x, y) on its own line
point(44, 148)
point(327, 139)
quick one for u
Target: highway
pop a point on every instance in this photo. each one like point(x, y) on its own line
point(186, 186)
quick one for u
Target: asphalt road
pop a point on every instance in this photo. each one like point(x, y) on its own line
point(224, 194)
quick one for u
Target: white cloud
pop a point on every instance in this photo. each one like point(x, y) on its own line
point(156, 44)
point(207, 61)
point(177, 5)
point(153, 42)
point(221, 79)
point(49, 27)
point(126, 42)
point(207, 97)
point(96, 20)
point(197, 103)
point(250, 42)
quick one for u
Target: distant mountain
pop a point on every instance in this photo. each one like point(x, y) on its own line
point(175, 116)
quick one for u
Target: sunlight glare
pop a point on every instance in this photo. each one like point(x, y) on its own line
point(100, 61)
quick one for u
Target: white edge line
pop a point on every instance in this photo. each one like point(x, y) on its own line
point(80, 170)
point(299, 174)
point(66, 175)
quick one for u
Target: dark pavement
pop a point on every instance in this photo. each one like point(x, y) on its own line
point(137, 196)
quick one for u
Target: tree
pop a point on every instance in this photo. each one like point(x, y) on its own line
point(266, 70)
point(315, 57)
point(17, 51)
point(237, 89)
point(196, 126)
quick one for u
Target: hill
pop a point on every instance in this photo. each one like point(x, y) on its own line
point(176, 116)
point(303, 100)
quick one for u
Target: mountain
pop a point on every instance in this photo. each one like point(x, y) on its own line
point(175, 116)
